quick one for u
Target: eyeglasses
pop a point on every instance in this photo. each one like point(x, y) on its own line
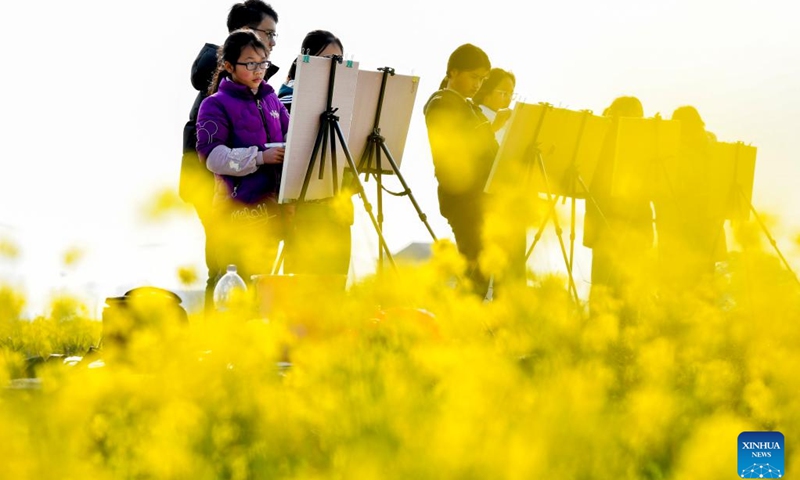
point(505, 94)
point(271, 34)
point(253, 66)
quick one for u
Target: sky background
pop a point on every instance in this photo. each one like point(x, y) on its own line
point(95, 96)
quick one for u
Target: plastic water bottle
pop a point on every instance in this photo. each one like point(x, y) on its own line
point(229, 287)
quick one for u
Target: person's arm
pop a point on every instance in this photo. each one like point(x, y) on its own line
point(450, 146)
point(212, 132)
point(236, 162)
point(501, 118)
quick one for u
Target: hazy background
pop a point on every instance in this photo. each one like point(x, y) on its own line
point(95, 96)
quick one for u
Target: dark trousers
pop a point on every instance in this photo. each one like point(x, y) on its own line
point(466, 221)
point(211, 260)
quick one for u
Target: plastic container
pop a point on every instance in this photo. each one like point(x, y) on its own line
point(229, 287)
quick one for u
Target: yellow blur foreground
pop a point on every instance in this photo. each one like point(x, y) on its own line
point(403, 376)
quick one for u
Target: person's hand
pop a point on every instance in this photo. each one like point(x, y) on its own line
point(273, 156)
point(501, 118)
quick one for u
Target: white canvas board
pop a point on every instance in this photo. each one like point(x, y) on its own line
point(646, 161)
point(512, 163)
point(730, 180)
point(565, 138)
point(395, 116)
point(310, 101)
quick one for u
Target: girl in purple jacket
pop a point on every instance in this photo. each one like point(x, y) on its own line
point(241, 127)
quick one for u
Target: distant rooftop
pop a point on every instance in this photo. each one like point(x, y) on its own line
point(414, 252)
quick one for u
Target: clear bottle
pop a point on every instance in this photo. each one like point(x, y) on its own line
point(229, 287)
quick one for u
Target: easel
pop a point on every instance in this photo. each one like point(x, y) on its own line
point(533, 159)
point(527, 145)
point(742, 205)
point(376, 144)
point(329, 131)
point(770, 238)
point(573, 179)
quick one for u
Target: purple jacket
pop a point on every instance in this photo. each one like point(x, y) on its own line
point(236, 118)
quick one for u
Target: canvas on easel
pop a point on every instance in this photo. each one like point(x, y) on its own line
point(734, 165)
point(309, 103)
point(553, 151)
point(730, 183)
point(646, 161)
point(384, 98)
point(398, 105)
point(569, 141)
point(512, 162)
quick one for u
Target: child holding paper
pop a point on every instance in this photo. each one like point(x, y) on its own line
point(234, 125)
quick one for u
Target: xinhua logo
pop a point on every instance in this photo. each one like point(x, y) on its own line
point(761, 455)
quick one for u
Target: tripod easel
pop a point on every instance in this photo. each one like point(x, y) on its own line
point(535, 160)
point(376, 145)
point(572, 179)
point(742, 205)
point(327, 134)
point(771, 239)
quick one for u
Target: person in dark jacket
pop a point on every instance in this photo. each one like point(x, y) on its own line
point(237, 126)
point(618, 229)
point(690, 234)
point(196, 184)
point(463, 147)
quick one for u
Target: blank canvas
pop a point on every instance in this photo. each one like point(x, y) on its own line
point(309, 103)
point(395, 115)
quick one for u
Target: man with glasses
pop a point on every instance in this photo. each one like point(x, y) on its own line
point(196, 181)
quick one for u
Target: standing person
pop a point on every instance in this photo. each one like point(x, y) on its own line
point(509, 230)
point(235, 123)
point(619, 230)
point(463, 147)
point(317, 43)
point(318, 237)
point(196, 181)
point(690, 238)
